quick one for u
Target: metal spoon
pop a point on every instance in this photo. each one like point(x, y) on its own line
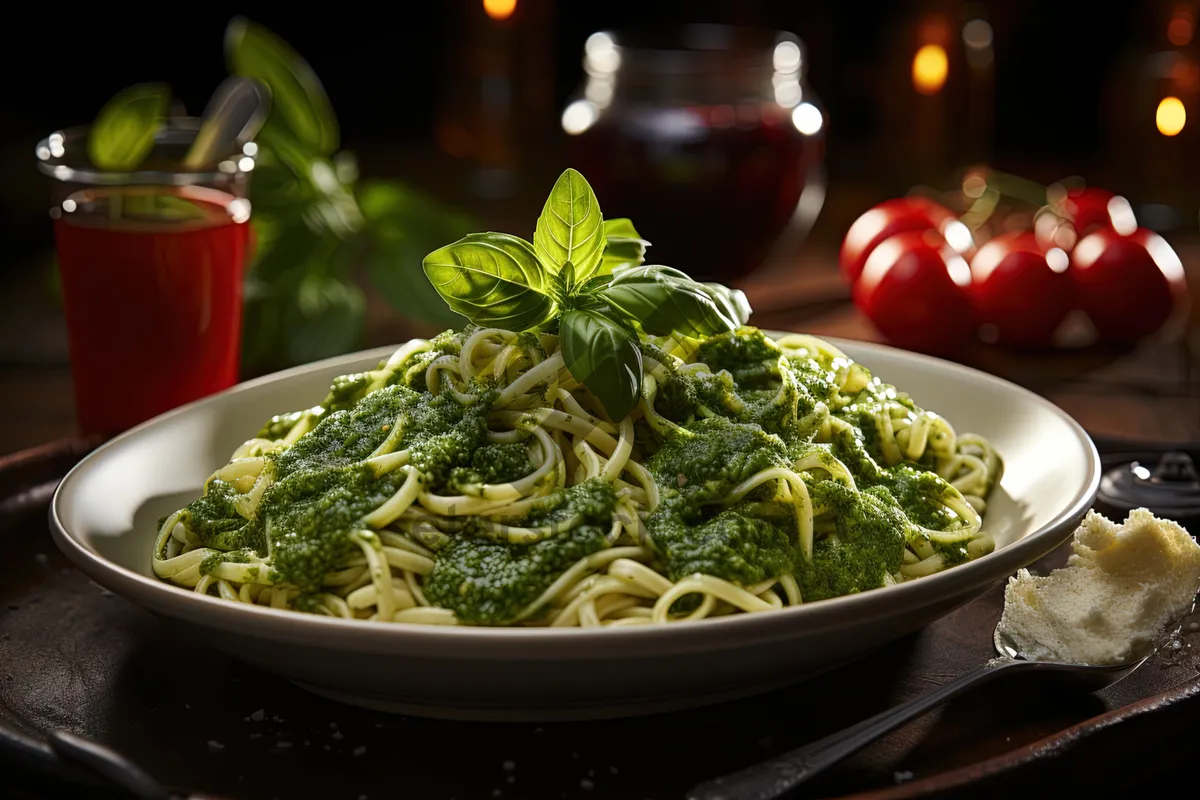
point(234, 115)
point(773, 778)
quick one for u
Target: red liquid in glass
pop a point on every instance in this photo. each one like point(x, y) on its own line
point(711, 191)
point(153, 299)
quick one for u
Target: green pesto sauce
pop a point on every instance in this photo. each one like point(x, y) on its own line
point(494, 463)
point(696, 530)
point(215, 520)
point(321, 488)
point(871, 531)
point(411, 372)
point(233, 557)
point(280, 425)
point(742, 352)
point(489, 582)
point(310, 515)
point(696, 472)
point(736, 421)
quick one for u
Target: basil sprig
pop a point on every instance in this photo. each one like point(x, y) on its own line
point(570, 230)
point(492, 279)
point(604, 356)
point(583, 276)
point(623, 247)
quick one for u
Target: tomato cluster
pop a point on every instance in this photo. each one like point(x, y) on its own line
point(929, 282)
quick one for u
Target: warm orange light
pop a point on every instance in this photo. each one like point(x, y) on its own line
point(499, 9)
point(929, 69)
point(1182, 26)
point(1171, 116)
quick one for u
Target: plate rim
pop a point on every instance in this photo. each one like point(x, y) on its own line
point(812, 618)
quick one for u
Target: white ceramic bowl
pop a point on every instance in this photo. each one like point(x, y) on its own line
point(104, 513)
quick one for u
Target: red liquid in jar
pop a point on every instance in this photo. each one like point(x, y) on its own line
point(153, 296)
point(712, 192)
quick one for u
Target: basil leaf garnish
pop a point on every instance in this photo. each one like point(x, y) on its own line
point(732, 302)
point(492, 279)
point(621, 228)
point(586, 274)
point(665, 301)
point(298, 100)
point(123, 135)
point(624, 246)
point(604, 357)
point(594, 285)
point(571, 227)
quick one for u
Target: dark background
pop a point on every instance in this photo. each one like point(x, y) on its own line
point(377, 66)
point(384, 69)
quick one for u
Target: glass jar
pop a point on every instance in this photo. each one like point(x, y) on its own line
point(152, 265)
point(707, 137)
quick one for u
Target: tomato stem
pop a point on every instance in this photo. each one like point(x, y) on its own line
point(1016, 187)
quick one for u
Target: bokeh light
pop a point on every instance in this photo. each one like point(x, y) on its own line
point(929, 68)
point(499, 9)
point(1171, 116)
point(1182, 26)
point(787, 56)
point(807, 118)
point(579, 116)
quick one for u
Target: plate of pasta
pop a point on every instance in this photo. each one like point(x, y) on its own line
point(605, 493)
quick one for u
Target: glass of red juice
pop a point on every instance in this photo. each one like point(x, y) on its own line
point(151, 265)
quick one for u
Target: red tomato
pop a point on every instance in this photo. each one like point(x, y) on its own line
point(1130, 286)
point(913, 287)
point(1087, 208)
point(884, 220)
point(1021, 290)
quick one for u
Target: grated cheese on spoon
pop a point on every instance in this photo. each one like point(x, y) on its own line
point(1121, 588)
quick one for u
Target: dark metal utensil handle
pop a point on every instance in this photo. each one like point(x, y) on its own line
point(773, 778)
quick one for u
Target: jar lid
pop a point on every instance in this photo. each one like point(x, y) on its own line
point(1170, 489)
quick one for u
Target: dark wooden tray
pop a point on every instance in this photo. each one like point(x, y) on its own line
point(76, 658)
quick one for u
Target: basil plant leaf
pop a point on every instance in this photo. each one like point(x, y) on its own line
point(623, 246)
point(571, 227)
point(298, 100)
point(621, 228)
point(324, 318)
point(493, 279)
point(666, 301)
point(594, 285)
point(732, 302)
point(604, 357)
point(402, 225)
point(123, 135)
